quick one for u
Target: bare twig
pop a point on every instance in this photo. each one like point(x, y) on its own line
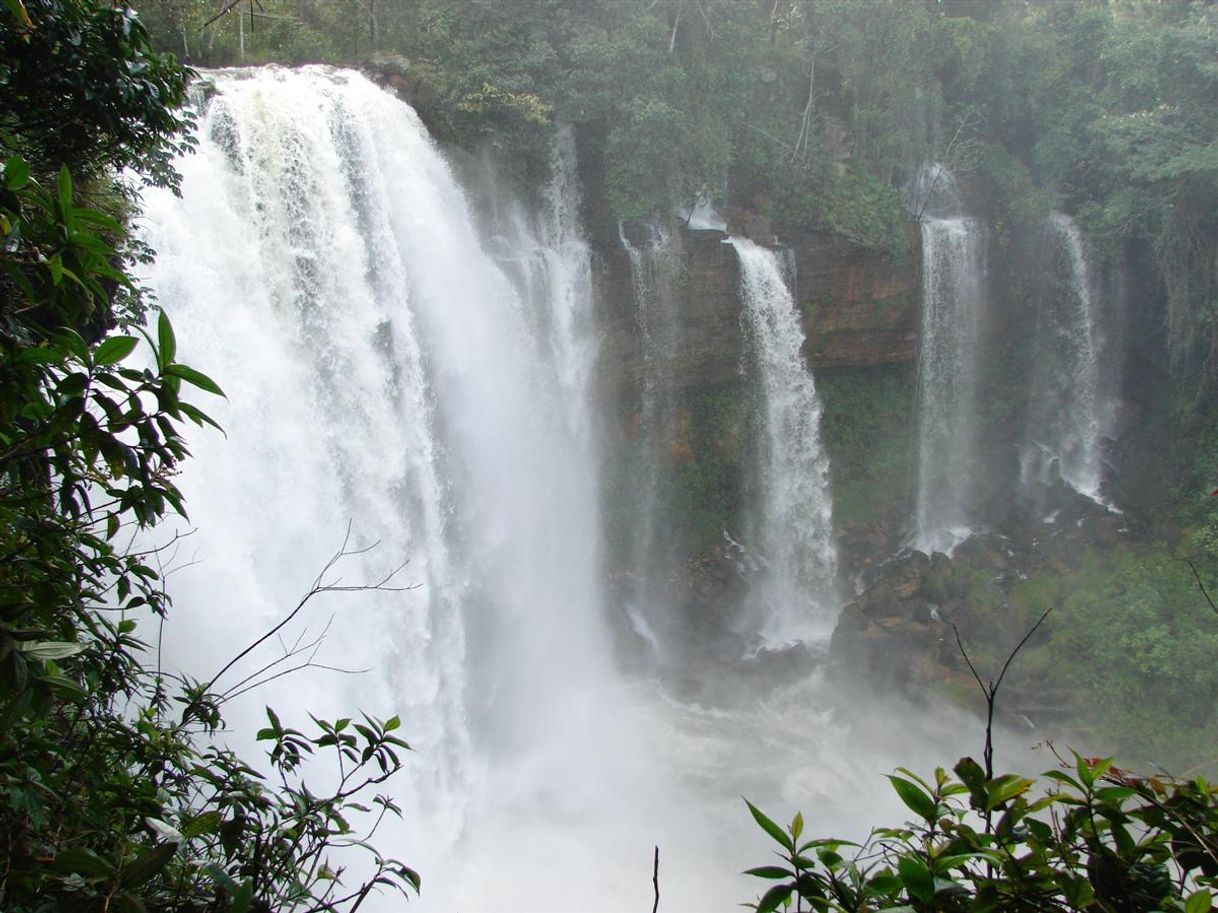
point(1201, 586)
point(990, 690)
point(224, 11)
point(319, 586)
point(769, 135)
point(655, 880)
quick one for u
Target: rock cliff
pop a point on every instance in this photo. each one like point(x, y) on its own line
point(859, 309)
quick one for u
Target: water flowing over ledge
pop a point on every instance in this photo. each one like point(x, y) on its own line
point(953, 269)
point(794, 529)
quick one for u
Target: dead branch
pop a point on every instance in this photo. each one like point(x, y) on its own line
point(319, 586)
point(655, 880)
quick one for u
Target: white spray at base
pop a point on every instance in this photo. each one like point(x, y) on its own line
point(385, 370)
point(794, 529)
point(1068, 420)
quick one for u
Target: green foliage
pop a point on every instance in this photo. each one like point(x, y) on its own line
point(1124, 662)
point(867, 428)
point(1148, 635)
point(80, 85)
point(1096, 838)
point(113, 792)
point(704, 487)
point(1011, 193)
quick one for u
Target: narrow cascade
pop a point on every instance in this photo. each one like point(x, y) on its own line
point(385, 371)
point(953, 268)
point(654, 272)
point(1066, 418)
point(794, 528)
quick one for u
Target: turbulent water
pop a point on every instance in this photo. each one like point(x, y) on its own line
point(385, 371)
point(794, 529)
point(1067, 409)
point(403, 366)
point(953, 267)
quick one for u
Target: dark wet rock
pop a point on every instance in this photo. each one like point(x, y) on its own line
point(904, 655)
point(899, 590)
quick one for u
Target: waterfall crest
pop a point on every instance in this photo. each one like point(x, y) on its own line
point(953, 267)
point(794, 532)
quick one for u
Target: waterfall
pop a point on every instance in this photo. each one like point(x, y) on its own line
point(390, 369)
point(1066, 413)
point(402, 362)
point(953, 267)
point(654, 273)
point(794, 530)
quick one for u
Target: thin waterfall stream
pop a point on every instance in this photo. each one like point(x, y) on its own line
point(953, 268)
point(655, 271)
point(794, 529)
point(1067, 422)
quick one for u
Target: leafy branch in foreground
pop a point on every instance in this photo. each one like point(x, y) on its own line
point(114, 792)
point(1098, 839)
point(1088, 836)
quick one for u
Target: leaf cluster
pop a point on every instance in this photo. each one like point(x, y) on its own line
point(1086, 836)
point(81, 86)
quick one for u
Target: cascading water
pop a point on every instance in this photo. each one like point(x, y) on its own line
point(794, 530)
point(953, 268)
point(383, 370)
point(391, 366)
point(1067, 410)
point(654, 272)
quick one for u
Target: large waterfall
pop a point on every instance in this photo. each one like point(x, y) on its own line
point(417, 369)
point(953, 266)
point(385, 371)
point(1067, 419)
point(794, 532)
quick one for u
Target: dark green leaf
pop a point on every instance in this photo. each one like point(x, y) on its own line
point(774, 898)
point(197, 378)
point(770, 871)
point(63, 187)
point(114, 350)
point(84, 862)
point(167, 345)
point(243, 897)
point(205, 823)
point(1199, 902)
point(916, 877)
point(147, 865)
point(912, 795)
point(771, 828)
point(16, 172)
point(1004, 788)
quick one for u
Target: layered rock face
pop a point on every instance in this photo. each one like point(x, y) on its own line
point(859, 309)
